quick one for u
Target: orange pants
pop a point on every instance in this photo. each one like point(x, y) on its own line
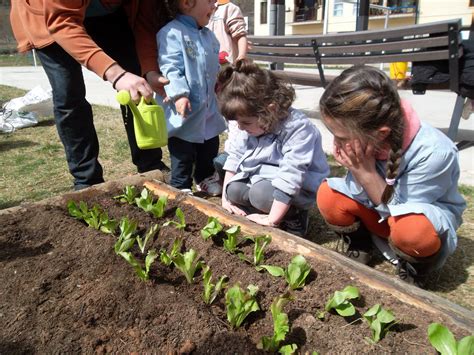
point(411, 233)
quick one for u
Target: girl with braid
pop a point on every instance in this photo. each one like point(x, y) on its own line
point(402, 181)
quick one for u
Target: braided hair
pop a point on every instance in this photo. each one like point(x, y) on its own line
point(364, 99)
point(246, 90)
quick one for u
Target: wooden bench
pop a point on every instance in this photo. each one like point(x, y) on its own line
point(417, 43)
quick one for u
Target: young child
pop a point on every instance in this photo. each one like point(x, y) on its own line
point(229, 26)
point(188, 57)
point(276, 162)
point(402, 183)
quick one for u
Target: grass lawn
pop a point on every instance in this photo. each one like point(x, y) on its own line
point(33, 167)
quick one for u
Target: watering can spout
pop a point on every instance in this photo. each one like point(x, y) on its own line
point(148, 121)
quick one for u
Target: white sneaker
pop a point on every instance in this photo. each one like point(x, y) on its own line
point(210, 185)
point(187, 191)
point(467, 109)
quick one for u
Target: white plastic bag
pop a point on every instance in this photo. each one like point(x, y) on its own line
point(11, 120)
point(37, 100)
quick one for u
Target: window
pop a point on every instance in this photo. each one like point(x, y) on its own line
point(263, 12)
point(338, 8)
point(306, 10)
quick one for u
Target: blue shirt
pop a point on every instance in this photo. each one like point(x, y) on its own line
point(189, 57)
point(427, 183)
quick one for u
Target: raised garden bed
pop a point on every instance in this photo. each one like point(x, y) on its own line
point(65, 290)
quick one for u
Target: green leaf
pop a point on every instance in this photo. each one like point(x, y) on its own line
point(442, 339)
point(345, 309)
point(240, 304)
point(210, 290)
point(213, 227)
point(340, 302)
point(297, 271)
point(129, 195)
point(158, 209)
point(466, 345)
point(149, 234)
point(134, 263)
point(188, 264)
point(149, 260)
point(274, 270)
point(288, 349)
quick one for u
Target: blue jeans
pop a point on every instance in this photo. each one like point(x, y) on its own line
point(186, 155)
point(72, 112)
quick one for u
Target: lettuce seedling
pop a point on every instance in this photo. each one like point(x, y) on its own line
point(258, 249)
point(78, 211)
point(141, 273)
point(296, 273)
point(380, 321)
point(106, 224)
point(231, 242)
point(210, 290)
point(340, 301)
point(126, 238)
point(280, 324)
point(181, 224)
point(290, 349)
point(166, 258)
point(145, 202)
point(188, 263)
point(240, 304)
point(211, 228)
point(445, 343)
point(149, 234)
point(129, 195)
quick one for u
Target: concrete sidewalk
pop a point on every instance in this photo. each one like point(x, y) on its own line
point(434, 107)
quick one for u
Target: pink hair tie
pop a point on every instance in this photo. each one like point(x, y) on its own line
point(390, 182)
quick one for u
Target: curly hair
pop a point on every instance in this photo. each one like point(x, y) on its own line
point(364, 99)
point(246, 90)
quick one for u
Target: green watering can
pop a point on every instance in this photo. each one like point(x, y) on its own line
point(148, 121)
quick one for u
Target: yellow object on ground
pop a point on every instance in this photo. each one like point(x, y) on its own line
point(398, 70)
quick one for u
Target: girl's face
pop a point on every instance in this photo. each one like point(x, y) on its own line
point(342, 135)
point(250, 125)
point(200, 10)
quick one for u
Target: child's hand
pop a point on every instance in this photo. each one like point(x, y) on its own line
point(182, 105)
point(261, 219)
point(358, 159)
point(229, 207)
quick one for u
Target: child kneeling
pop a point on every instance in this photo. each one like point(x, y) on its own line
point(402, 184)
point(276, 162)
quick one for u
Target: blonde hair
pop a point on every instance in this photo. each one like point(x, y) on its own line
point(364, 99)
point(245, 89)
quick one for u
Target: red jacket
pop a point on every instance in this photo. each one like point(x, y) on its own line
point(39, 23)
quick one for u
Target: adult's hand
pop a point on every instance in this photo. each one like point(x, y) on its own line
point(157, 82)
point(123, 80)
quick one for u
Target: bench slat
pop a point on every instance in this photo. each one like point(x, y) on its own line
point(355, 59)
point(396, 32)
point(291, 51)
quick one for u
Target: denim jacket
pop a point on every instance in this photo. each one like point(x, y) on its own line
point(188, 57)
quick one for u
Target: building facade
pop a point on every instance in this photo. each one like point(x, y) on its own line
point(330, 16)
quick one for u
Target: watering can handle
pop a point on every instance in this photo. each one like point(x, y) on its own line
point(123, 97)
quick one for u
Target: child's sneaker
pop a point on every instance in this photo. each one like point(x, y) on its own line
point(210, 185)
point(187, 191)
point(297, 224)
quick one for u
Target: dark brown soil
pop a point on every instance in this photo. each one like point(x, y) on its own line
point(64, 290)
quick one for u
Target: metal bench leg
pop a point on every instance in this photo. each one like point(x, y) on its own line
point(455, 118)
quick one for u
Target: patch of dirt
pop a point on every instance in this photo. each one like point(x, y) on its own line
point(64, 290)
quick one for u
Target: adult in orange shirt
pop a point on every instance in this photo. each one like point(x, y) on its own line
point(113, 38)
